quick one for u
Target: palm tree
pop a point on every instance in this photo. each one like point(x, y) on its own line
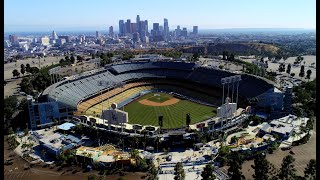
point(135, 155)
point(90, 156)
point(136, 140)
point(115, 157)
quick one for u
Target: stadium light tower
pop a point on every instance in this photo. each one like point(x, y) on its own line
point(228, 81)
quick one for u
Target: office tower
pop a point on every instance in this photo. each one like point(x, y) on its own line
point(67, 38)
point(81, 38)
point(142, 32)
point(45, 40)
point(195, 30)
point(13, 39)
point(155, 30)
point(166, 28)
point(184, 32)
point(121, 28)
point(111, 31)
point(146, 26)
point(54, 35)
point(128, 26)
point(97, 34)
point(133, 27)
point(138, 24)
point(136, 37)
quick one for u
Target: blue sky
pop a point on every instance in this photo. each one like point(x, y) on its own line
point(45, 15)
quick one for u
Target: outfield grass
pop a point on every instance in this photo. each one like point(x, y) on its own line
point(173, 115)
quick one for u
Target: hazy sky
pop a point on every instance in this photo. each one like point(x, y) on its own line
point(46, 15)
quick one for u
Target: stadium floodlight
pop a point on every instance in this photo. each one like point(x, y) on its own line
point(228, 81)
point(54, 74)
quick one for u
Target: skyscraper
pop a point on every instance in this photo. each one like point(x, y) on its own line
point(121, 28)
point(128, 26)
point(13, 39)
point(146, 26)
point(184, 32)
point(178, 31)
point(195, 30)
point(136, 37)
point(166, 28)
point(111, 31)
point(138, 24)
point(155, 29)
point(97, 34)
point(54, 35)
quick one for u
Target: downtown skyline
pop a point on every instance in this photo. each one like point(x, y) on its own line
point(99, 15)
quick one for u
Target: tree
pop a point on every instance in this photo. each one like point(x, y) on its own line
point(179, 172)
point(287, 170)
point(92, 177)
point(234, 139)
point(67, 58)
point(34, 70)
point(15, 73)
point(289, 68)
point(310, 170)
point(261, 167)
point(207, 173)
point(301, 74)
point(309, 72)
point(72, 59)
point(292, 74)
point(61, 61)
point(188, 119)
point(282, 67)
point(10, 131)
point(23, 69)
point(28, 68)
point(235, 163)
point(10, 106)
point(231, 57)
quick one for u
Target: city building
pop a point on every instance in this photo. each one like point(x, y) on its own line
point(60, 41)
point(54, 35)
point(195, 30)
point(166, 28)
point(13, 39)
point(146, 27)
point(121, 28)
point(128, 26)
point(138, 24)
point(184, 32)
point(111, 33)
point(45, 40)
point(178, 31)
point(136, 37)
point(42, 114)
point(97, 34)
point(67, 38)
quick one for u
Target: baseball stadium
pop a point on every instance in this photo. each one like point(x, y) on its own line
point(148, 89)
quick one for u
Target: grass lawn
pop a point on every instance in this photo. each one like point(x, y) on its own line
point(174, 115)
